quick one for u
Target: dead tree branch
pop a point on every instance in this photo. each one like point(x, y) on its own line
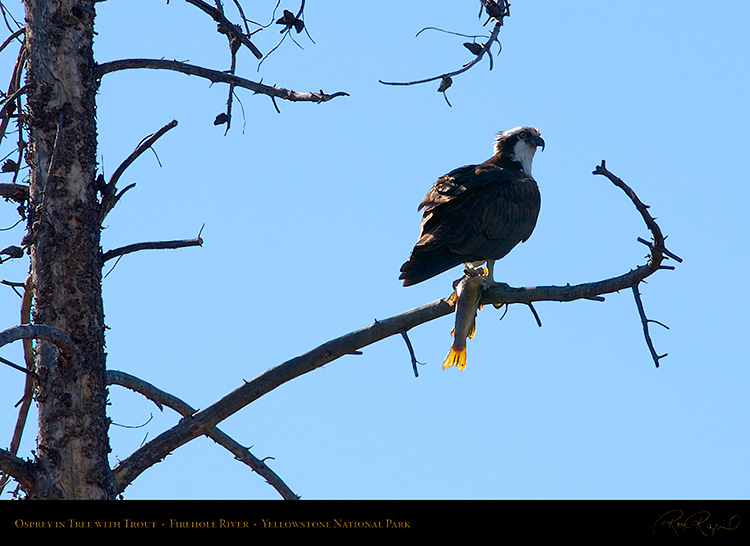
point(46, 333)
point(414, 361)
point(12, 37)
point(154, 245)
point(289, 21)
point(161, 398)
point(14, 192)
point(11, 107)
point(28, 391)
point(226, 26)
point(217, 76)
point(19, 469)
point(497, 11)
point(645, 322)
point(109, 195)
point(203, 421)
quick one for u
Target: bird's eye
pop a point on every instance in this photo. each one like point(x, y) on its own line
point(523, 135)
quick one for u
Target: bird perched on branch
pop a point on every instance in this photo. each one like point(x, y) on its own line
point(478, 213)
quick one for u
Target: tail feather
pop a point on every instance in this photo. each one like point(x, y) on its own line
point(424, 264)
point(456, 357)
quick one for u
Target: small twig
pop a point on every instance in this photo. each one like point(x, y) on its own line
point(262, 26)
point(666, 252)
point(644, 322)
point(150, 418)
point(119, 195)
point(289, 21)
point(14, 286)
point(16, 366)
point(111, 269)
point(472, 36)
point(6, 15)
point(536, 316)
point(242, 107)
point(414, 361)
point(242, 15)
point(10, 100)
point(652, 321)
point(276, 106)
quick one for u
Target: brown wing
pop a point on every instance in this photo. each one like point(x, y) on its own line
point(474, 213)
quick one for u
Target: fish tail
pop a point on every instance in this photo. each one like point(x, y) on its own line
point(456, 357)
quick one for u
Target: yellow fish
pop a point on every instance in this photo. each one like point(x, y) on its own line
point(467, 296)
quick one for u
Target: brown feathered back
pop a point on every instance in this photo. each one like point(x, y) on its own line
point(475, 213)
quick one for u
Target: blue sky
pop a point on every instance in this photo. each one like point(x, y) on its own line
point(309, 213)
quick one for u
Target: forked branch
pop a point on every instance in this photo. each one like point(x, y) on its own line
point(226, 26)
point(110, 197)
point(496, 11)
point(161, 398)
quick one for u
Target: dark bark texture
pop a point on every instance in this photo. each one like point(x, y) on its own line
point(64, 246)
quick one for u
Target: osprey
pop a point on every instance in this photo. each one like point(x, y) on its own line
point(478, 213)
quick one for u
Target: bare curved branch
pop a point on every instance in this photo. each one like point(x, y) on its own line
point(202, 421)
point(40, 331)
point(447, 76)
point(496, 11)
point(12, 37)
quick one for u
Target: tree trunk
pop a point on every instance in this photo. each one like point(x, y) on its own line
point(64, 245)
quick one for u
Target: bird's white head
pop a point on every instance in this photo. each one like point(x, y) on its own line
point(519, 144)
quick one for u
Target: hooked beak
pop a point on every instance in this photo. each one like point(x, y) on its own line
point(539, 141)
